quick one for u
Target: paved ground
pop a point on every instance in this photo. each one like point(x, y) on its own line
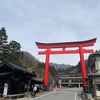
point(65, 94)
point(37, 95)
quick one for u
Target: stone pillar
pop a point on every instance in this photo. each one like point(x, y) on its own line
point(79, 85)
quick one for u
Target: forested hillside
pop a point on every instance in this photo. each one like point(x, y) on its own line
point(11, 51)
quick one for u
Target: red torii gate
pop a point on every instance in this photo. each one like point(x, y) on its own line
point(80, 50)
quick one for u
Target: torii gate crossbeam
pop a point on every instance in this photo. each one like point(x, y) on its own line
point(63, 46)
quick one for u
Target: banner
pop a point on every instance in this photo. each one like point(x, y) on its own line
point(5, 90)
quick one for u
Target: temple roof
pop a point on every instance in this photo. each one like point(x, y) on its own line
point(9, 67)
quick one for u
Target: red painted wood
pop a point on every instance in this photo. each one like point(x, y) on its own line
point(46, 67)
point(65, 52)
point(81, 51)
point(66, 44)
point(83, 67)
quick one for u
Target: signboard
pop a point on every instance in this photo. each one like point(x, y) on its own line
point(5, 90)
point(60, 75)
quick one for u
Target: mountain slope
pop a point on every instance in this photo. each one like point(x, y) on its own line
point(28, 60)
point(61, 66)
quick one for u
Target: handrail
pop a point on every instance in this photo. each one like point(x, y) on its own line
point(14, 95)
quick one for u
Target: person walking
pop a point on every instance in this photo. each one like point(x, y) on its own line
point(34, 90)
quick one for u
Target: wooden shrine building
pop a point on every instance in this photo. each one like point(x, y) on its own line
point(17, 77)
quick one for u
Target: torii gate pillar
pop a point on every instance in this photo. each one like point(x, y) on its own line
point(83, 67)
point(46, 71)
point(80, 45)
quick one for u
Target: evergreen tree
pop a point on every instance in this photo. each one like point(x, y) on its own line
point(14, 51)
point(9, 51)
point(3, 42)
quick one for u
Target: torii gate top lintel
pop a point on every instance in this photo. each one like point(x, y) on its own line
point(66, 44)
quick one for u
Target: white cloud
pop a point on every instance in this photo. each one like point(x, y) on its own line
point(28, 21)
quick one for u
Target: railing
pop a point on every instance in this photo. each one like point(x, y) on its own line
point(17, 95)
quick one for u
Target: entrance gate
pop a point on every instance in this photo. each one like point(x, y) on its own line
point(49, 49)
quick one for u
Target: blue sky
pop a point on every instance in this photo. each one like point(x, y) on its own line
point(51, 21)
